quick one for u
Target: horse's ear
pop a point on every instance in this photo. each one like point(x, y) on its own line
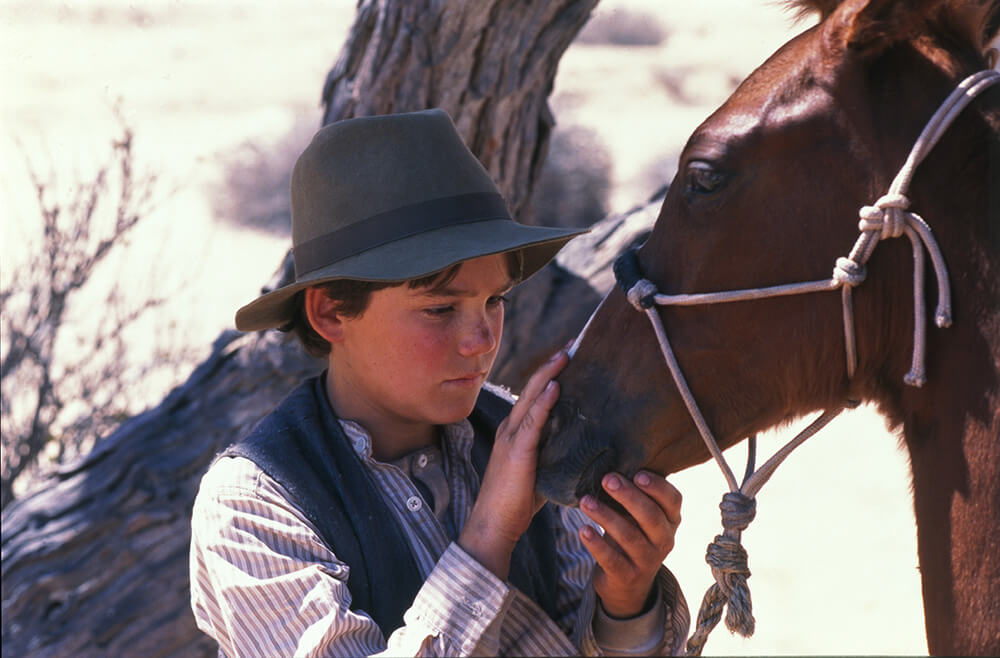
point(991, 29)
point(870, 26)
point(805, 7)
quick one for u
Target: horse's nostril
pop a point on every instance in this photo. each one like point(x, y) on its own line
point(593, 473)
point(559, 420)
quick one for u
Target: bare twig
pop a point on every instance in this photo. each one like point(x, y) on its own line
point(58, 402)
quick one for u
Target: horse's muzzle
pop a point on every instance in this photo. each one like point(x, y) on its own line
point(573, 457)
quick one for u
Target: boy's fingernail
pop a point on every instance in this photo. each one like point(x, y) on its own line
point(551, 386)
point(588, 532)
point(613, 483)
point(642, 479)
point(589, 502)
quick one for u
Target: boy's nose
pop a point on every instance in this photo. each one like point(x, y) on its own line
point(480, 339)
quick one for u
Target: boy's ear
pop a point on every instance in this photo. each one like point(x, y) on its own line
point(323, 315)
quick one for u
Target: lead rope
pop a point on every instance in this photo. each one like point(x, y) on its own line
point(888, 217)
point(725, 555)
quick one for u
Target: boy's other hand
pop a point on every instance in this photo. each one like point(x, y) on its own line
point(631, 550)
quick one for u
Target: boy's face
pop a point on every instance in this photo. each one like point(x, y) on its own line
point(420, 355)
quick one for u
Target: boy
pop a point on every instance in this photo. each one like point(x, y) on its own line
point(388, 505)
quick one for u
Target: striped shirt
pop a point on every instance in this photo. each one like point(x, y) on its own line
point(263, 583)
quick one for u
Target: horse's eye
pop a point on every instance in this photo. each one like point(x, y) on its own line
point(703, 178)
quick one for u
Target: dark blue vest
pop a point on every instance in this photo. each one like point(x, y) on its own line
point(302, 446)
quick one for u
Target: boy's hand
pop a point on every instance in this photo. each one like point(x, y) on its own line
point(507, 501)
point(631, 550)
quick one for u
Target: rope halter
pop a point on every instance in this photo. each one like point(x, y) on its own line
point(889, 217)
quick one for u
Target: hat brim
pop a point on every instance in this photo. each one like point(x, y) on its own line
point(414, 257)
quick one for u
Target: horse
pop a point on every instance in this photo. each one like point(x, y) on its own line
point(767, 192)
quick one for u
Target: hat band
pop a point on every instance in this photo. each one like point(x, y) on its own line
point(395, 224)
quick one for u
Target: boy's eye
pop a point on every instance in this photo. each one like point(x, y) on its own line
point(439, 310)
point(493, 301)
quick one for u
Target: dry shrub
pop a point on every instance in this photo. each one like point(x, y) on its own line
point(67, 377)
point(254, 189)
point(622, 27)
point(573, 188)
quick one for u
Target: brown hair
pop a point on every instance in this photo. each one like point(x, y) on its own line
point(354, 296)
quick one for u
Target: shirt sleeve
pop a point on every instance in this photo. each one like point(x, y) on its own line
point(263, 583)
point(660, 631)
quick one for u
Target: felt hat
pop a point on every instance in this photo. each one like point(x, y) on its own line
point(393, 198)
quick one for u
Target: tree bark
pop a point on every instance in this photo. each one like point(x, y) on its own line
point(95, 561)
point(490, 64)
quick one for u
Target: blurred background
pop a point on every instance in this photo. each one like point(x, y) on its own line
point(147, 147)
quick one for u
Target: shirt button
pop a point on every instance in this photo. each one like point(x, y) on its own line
point(422, 461)
point(413, 503)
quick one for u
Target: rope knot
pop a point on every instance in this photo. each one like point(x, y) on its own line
point(888, 215)
point(737, 511)
point(727, 557)
point(728, 560)
point(849, 273)
point(642, 294)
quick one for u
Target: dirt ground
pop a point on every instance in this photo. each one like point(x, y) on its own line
point(833, 548)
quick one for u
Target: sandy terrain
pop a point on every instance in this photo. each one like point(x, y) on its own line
point(832, 550)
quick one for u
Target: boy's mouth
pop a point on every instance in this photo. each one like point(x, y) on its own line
point(469, 378)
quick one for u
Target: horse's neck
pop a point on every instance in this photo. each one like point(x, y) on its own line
point(952, 437)
point(951, 427)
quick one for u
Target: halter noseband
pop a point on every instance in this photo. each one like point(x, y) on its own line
point(888, 218)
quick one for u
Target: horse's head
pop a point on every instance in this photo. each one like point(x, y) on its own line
point(767, 192)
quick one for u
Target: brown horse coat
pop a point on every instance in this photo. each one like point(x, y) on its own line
point(767, 193)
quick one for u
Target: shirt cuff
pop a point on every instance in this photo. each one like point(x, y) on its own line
point(636, 635)
point(665, 626)
point(461, 600)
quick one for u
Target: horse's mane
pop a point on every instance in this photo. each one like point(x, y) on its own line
point(974, 22)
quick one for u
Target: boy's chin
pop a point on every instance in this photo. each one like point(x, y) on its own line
point(456, 411)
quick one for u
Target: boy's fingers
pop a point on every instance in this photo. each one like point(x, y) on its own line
point(607, 556)
point(654, 509)
point(624, 535)
point(535, 386)
point(666, 495)
point(533, 419)
point(643, 508)
point(617, 527)
point(652, 502)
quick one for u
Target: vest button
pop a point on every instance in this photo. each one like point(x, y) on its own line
point(414, 504)
point(422, 461)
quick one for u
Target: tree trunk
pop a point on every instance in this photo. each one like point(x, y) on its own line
point(94, 562)
point(490, 64)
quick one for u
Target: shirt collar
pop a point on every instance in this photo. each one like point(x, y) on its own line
point(457, 437)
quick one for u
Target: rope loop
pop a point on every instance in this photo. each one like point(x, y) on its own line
point(849, 273)
point(871, 218)
point(891, 200)
point(888, 215)
point(737, 511)
point(642, 295)
point(894, 218)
